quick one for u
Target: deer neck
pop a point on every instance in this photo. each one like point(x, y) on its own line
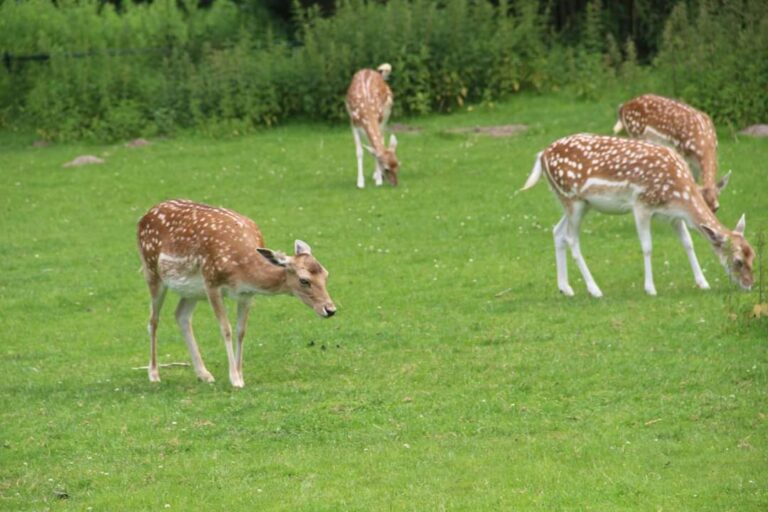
point(266, 277)
point(709, 168)
point(373, 132)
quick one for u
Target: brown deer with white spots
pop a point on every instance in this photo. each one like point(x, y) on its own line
point(675, 124)
point(202, 252)
point(617, 175)
point(369, 103)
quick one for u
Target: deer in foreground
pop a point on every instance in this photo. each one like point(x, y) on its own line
point(616, 175)
point(202, 252)
point(369, 103)
point(675, 124)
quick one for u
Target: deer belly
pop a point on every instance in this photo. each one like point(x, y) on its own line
point(610, 196)
point(182, 275)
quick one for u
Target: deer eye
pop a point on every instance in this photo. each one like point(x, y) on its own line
point(305, 282)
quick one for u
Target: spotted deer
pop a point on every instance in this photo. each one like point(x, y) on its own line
point(369, 103)
point(617, 175)
point(201, 252)
point(675, 124)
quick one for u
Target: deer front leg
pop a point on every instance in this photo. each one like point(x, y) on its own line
point(157, 290)
point(217, 303)
point(574, 225)
point(359, 154)
point(378, 175)
point(184, 319)
point(242, 320)
point(643, 223)
point(559, 233)
point(685, 239)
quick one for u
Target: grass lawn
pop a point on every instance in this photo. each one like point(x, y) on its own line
point(454, 377)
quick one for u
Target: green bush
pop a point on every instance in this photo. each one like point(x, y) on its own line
point(155, 67)
point(714, 57)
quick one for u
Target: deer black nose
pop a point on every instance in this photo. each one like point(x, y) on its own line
point(329, 312)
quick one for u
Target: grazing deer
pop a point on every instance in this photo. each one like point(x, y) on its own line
point(616, 175)
point(202, 252)
point(369, 103)
point(675, 124)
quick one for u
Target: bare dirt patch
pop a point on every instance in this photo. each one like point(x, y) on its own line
point(137, 143)
point(756, 130)
point(404, 128)
point(84, 160)
point(504, 130)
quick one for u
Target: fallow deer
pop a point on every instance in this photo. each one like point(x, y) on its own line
point(617, 175)
point(369, 103)
point(202, 252)
point(675, 124)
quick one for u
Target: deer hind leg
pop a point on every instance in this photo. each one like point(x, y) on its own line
point(685, 239)
point(643, 223)
point(359, 154)
point(184, 319)
point(217, 304)
point(559, 233)
point(157, 291)
point(578, 209)
point(242, 320)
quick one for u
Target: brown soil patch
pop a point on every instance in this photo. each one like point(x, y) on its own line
point(504, 130)
point(756, 130)
point(137, 143)
point(403, 128)
point(84, 160)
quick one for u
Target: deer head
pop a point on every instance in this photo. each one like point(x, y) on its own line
point(711, 194)
point(305, 277)
point(387, 160)
point(735, 253)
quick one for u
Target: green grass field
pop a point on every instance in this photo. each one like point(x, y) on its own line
point(455, 376)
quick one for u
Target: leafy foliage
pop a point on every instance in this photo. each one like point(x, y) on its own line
point(714, 57)
point(153, 68)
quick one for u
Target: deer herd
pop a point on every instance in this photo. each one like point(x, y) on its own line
point(207, 253)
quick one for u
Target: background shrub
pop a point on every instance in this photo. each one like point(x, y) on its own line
point(228, 68)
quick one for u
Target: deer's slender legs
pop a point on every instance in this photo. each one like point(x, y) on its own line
point(578, 209)
point(685, 239)
point(217, 303)
point(243, 306)
point(559, 234)
point(184, 319)
point(643, 223)
point(157, 291)
point(359, 154)
point(378, 174)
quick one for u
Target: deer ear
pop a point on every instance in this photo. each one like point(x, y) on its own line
point(723, 181)
point(301, 247)
point(741, 225)
point(274, 257)
point(392, 142)
point(715, 239)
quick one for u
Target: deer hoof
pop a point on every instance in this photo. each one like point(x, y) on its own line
point(595, 292)
point(566, 290)
point(206, 377)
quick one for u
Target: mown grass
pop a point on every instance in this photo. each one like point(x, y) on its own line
point(454, 376)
